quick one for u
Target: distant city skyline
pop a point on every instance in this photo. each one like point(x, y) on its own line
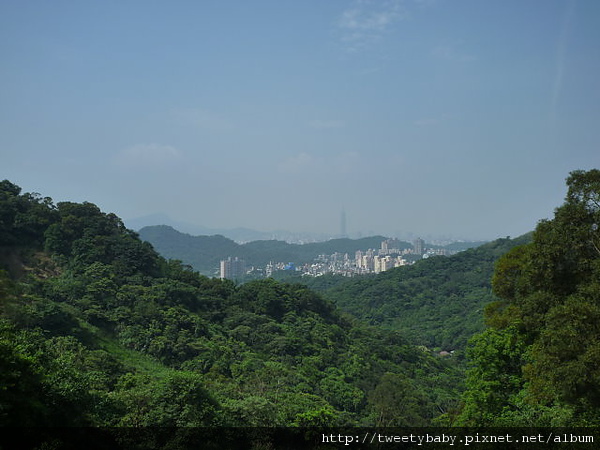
point(438, 118)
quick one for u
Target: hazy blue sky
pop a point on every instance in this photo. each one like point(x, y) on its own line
point(438, 117)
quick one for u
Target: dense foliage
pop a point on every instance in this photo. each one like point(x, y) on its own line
point(438, 301)
point(97, 329)
point(538, 362)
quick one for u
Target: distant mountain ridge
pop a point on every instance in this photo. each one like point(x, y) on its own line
point(243, 235)
point(238, 234)
point(204, 253)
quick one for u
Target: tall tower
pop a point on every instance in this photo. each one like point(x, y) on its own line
point(419, 246)
point(343, 224)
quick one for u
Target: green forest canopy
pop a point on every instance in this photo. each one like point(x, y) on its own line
point(538, 362)
point(97, 329)
point(437, 302)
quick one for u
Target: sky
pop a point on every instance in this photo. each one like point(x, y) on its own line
point(455, 118)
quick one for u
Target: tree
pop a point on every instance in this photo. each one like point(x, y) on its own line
point(177, 399)
point(541, 351)
point(23, 217)
point(396, 402)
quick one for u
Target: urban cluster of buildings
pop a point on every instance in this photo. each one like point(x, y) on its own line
point(343, 264)
point(388, 256)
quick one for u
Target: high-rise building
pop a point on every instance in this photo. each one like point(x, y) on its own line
point(419, 246)
point(382, 263)
point(358, 257)
point(384, 248)
point(368, 262)
point(233, 269)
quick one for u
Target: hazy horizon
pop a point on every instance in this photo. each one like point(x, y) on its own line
point(244, 234)
point(432, 117)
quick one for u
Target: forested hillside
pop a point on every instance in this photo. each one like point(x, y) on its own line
point(97, 329)
point(538, 361)
point(438, 301)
